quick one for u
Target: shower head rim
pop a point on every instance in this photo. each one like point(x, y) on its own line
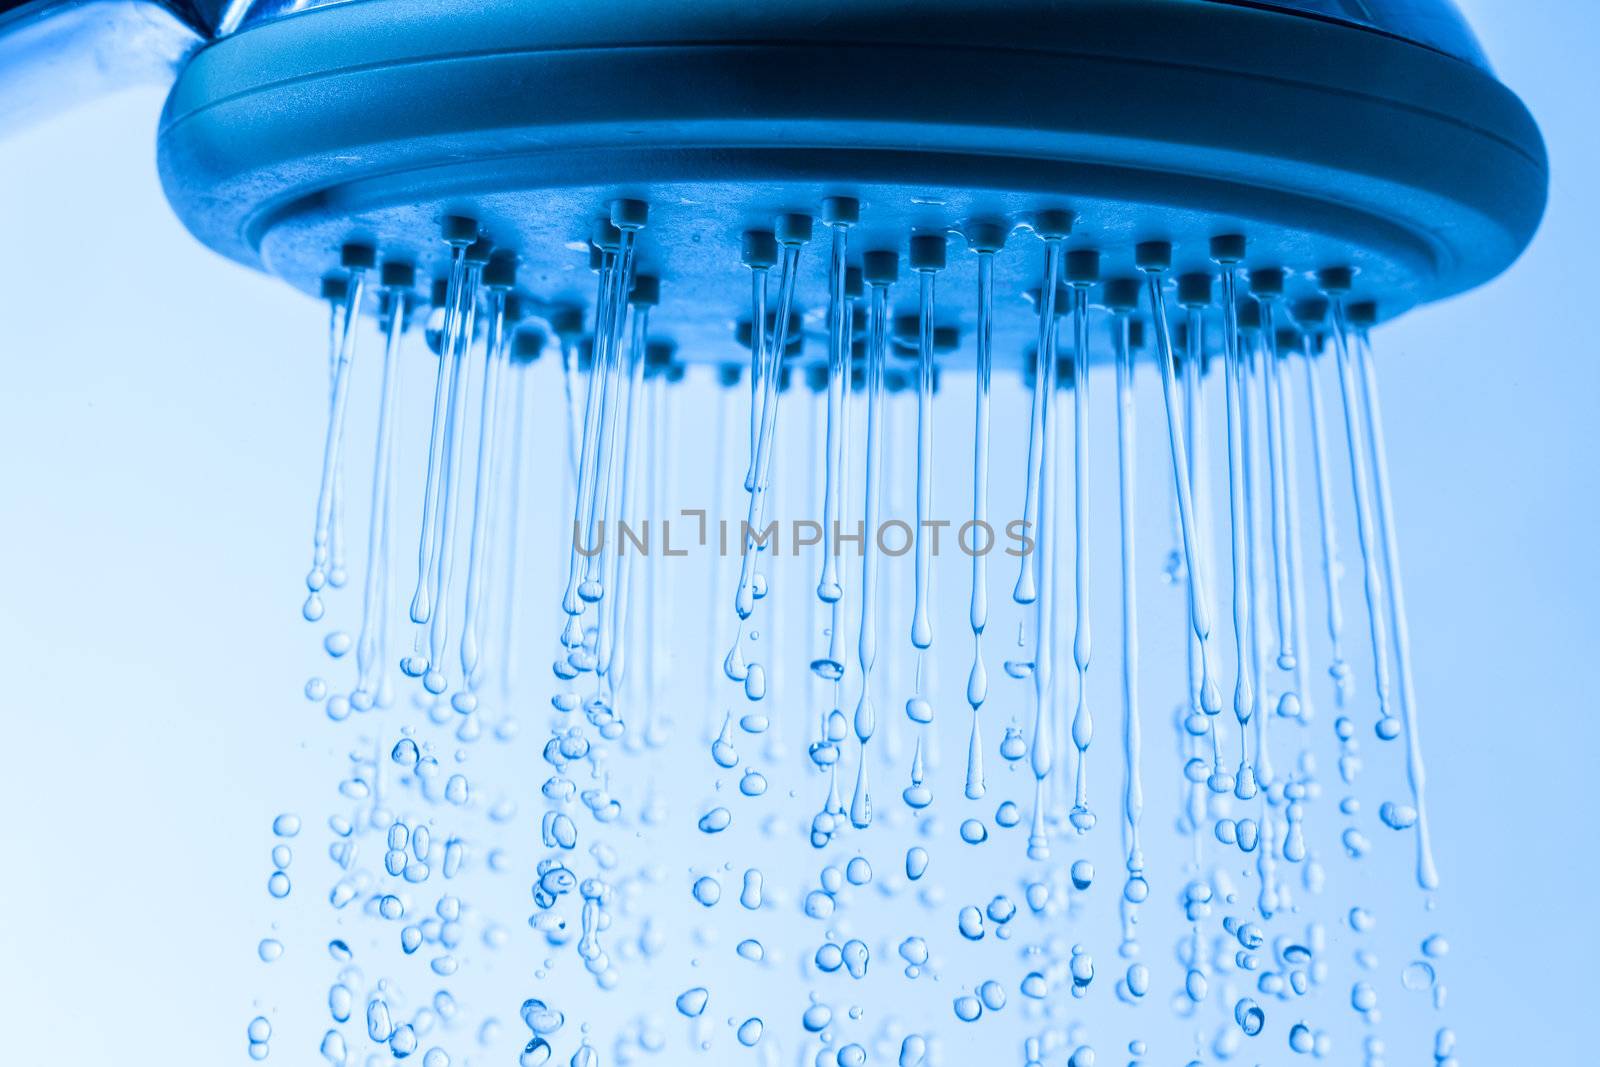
point(271, 135)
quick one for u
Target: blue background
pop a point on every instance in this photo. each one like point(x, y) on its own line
point(157, 459)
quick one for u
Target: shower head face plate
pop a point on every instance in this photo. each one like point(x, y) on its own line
point(1323, 143)
point(706, 292)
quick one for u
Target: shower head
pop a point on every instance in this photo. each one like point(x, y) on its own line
point(855, 199)
point(1381, 144)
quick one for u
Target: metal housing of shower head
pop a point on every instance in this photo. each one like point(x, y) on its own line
point(1323, 142)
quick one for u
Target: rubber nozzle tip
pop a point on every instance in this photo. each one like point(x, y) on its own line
point(1053, 225)
point(629, 214)
point(1194, 290)
point(1335, 279)
point(479, 251)
point(398, 274)
point(1122, 294)
point(985, 236)
point(1083, 266)
point(1249, 315)
point(605, 236)
point(658, 352)
point(335, 287)
point(358, 255)
point(1228, 248)
point(1289, 341)
point(793, 229)
point(1135, 334)
point(1153, 256)
point(1362, 313)
point(440, 292)
point(526, 344)
point(729, 374)
point(501, 270)
point(458, 230)
point(854, 286)
point(1066, 371)
point(646, 291)
point(758, 249)
point(929, 251)
point(841, 211)
point(1311, 313)
point(567, 321)
point(817, 377)
point(946, 339)
point(1267, 283)
point(858, 319)
point(880, 268)
point(906, 326)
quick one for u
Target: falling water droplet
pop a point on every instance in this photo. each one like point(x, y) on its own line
point(1243, 694)
point(459, 300)
point(1427, 872)
point(357, 259)
point(1026, 588)
point(884, 269)
point(1331, 567)
point(978, 610)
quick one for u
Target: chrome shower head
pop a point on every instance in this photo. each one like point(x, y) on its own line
point(1377, 141)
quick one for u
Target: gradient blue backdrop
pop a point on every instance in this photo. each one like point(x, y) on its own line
point(156, 460)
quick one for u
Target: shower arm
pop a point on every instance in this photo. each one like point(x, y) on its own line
point(55, 54)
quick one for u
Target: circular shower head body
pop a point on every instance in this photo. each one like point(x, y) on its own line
point(1324, 141)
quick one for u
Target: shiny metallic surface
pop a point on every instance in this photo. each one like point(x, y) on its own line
point(56, 53)
point(375, 117)
point(1435, 24)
